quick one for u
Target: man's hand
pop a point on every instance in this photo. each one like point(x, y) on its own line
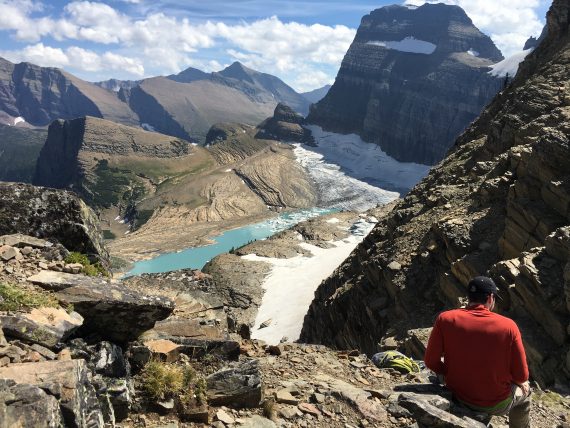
point(525, 388)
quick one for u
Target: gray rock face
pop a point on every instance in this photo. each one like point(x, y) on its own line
point(114, 312)
point(50, 214)
point(499, 204)
point(238, 386)
point(285, 125)
point(414, 105)
point(42, 94)
point(68, 382)
point(27, 406)
point(20, 148)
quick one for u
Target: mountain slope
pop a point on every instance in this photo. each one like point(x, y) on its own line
point(188, 110)
point(19, 150)
point(42, 94)
point(263, 86)
point(316, 95)
point(499, 204)
point(412, 80)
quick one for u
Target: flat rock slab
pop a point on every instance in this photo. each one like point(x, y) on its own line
point(45, 326)
point(68, 381)
point(113, 312)
point(19, 240)
point(237, 386)
point(357, 397)
point(8, 253)
point(257, 422)
point(429, 415)
point(24, 405)
point(56, 281)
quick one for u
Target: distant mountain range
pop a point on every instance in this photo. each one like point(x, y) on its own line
point(184, 105)
point(412, 81)
point(40, 95)
point(316, 95)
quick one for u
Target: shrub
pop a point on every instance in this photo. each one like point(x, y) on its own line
point(162, 380)
point(14, 298)
point(75, 257)
point(88, 268)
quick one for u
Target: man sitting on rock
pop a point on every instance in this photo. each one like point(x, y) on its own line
point(484, 362)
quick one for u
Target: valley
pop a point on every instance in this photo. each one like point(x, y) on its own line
point(207, 246)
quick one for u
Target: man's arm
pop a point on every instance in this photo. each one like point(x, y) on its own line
point(519, 367)
point(434, 350)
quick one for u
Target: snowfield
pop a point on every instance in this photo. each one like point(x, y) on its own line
point(294, 281)
point(509, 65)
point(351, 174)
point(148, 127)
point(409, 44)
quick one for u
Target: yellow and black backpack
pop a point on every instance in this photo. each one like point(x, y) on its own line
point(395, 360)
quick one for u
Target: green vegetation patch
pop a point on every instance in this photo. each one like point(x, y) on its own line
point(163, 381)
point(89, 269)
point(15, 298)
point(111, 184)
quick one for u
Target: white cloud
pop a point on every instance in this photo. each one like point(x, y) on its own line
point(301, 54)
point(509, 22)
point(75, 57)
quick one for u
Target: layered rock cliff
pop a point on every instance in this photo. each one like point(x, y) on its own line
point(499, 204)
point(19, 150)
point(102, 160)
point(42, 94)
point(285, 125)
point(412, 81)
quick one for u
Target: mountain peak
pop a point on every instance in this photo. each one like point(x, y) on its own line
point(188, 75)
point(238, 71)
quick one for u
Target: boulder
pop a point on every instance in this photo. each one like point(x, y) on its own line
point(359, 398)
point(50, 214)
point(113, 312)
point(237, 386)
point(430, 415)
point(68, 381)
point(8, 253)
point(45, 326)
point(20, 240)
point(55, 281)
point(24, 405)
point(109, 360)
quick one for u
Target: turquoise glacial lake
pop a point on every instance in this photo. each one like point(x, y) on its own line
point(197, 257)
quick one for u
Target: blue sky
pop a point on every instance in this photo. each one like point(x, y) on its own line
point(301, 41)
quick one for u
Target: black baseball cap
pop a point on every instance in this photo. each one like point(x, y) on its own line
point(483, 285)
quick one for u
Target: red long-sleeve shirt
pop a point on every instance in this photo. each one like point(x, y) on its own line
point(482, 352)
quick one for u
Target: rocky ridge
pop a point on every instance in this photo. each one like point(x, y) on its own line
point(285, 125)
point(43, 94)
point(497, 205)
point(88, 378)
point(412, 81)
point(186, 105)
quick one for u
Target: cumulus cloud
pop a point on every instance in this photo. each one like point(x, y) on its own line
point(76, 58)
point(509, 22)
point(304, 55)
